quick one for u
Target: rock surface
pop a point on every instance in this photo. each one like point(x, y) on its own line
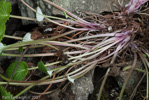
point(95, 6)
point(134, 78)
point(26, 12)
point(13, 1)
point(74, 6)
point(83, 86)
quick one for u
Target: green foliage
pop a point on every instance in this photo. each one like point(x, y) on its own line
point(42, 67)
point(126, 68)
point(5, 9)
point(144, 55)
point(5, 95)
point(2, 31)
point(20, 49)
point(20, 73)
point(66, 16)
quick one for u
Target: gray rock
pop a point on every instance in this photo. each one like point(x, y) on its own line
point(95, 6)
point(134, 78)
point(13, 1)
point(74, 6)
point(26, 12)
point(83, 86)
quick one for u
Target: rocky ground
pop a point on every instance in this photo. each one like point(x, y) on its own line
point(86, 87)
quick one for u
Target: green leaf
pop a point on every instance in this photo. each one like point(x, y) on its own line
point(20, 49)
point(5, 9)
point(66, 16)
point(20, 73)
point(42, 67)
point(144, 55)
point(2, 31)
point(96, 48)
point(5, 95)
point(126, 68)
